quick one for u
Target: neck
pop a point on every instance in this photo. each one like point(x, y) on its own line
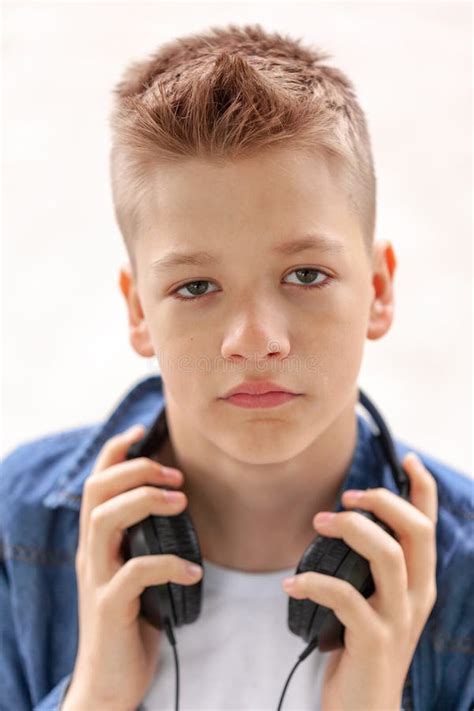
point(258, 518)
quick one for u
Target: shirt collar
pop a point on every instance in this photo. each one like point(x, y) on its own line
point(141, 405)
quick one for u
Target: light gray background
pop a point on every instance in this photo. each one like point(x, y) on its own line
point(67, 359)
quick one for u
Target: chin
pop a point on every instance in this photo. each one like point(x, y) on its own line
point(264, 442)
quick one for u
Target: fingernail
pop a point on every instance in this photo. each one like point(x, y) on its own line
point(134, 430)
point(193, 569)
point(170, 472)
point(323, 517)
point(353, 493)
point(173, 495)
point(288, 582)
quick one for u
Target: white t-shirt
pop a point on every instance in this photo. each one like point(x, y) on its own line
point(239, 652)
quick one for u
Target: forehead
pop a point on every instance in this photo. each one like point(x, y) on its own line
point(253, 182)
point(270, 197)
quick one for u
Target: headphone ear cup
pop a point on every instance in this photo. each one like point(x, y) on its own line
point(330, 556)
point(176, 535)
point(305, 617)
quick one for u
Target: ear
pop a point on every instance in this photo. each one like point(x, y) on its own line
point(138, 333)
point(381, 310)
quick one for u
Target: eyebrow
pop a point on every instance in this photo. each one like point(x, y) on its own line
point(319, 241)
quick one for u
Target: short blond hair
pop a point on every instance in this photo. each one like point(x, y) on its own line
point(232, 92)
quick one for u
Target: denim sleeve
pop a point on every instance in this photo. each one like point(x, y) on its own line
point(54, 700)
point(15, 693)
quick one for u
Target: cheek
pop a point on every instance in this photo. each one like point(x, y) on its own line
point(183, 357)
point(171, 331)
point(337, 340)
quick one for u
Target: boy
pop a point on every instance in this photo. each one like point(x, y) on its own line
point(243, 182)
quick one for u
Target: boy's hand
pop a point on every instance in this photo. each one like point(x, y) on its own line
point(118, 649)
point(382, 631)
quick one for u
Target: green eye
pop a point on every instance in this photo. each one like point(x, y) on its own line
point(308, 276)
point(196, 289)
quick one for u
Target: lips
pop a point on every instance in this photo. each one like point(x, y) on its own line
point(271, 399)
point(261, 387)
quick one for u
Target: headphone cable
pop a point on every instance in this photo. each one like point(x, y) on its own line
point(303, 655)
point(172, 640)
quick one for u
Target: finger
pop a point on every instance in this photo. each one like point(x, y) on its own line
point(125, 588)
point(412, 528)
point(115, 449)
point(128, 475)
point(423, 487)
point(384, 554)
point(117, 479)
point(108, 521)
point(113, 452)
point(362, 623)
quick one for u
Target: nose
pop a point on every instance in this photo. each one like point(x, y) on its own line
point(256, 333)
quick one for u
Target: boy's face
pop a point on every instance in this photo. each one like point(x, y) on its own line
point(256, 319)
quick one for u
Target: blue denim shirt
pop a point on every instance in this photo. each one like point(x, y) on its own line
point(40, 499)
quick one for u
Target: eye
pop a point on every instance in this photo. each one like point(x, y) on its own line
point(307, 274)
point(196, 288)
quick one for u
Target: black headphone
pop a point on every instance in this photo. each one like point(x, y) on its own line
point(173, 605)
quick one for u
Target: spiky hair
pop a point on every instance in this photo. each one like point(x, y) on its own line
point(232, 92)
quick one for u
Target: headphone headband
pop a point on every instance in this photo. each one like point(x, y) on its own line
point(386, 441)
